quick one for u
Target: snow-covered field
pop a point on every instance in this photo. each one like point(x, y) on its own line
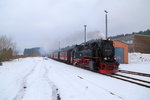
point(41, 79)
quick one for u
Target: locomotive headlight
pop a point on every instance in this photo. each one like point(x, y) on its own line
point(108, 39)
point(105, 58)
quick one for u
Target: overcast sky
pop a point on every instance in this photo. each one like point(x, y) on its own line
point(43, 23)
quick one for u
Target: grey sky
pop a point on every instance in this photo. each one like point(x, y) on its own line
point(44, 23)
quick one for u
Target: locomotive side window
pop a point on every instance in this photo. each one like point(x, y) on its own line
point(83, 53)
point(87, 53)
point(77, 55)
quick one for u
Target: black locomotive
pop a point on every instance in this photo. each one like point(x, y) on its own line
point(96, 55)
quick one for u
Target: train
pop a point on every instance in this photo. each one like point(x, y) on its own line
point(96, 55)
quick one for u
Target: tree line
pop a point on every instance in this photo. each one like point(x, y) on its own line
point(147, 32)
point(7, 48)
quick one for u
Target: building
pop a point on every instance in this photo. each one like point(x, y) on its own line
point(136, 42)
point(32, 52)
point(121, 51)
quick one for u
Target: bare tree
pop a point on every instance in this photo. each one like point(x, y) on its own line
point(7, 48)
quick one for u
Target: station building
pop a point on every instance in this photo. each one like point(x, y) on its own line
point(136, 42)
point(130, 43)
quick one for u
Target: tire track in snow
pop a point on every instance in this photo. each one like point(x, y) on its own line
point(55, 91)
point(73, 83)
point(67, 74)
point(22, 91)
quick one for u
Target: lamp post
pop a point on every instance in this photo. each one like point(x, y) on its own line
point(59, 45)
point(85, 33)
point(106, 21)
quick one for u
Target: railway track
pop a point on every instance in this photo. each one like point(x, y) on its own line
point(135, 73)
point(131, 80)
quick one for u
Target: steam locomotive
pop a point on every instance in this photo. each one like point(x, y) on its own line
point(95, 55)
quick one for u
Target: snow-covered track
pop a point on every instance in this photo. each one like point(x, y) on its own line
point(130, 80)
point(133, 78)
point(135, 73)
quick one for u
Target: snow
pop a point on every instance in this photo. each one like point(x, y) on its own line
point(137, 62)
point(139, 58)
point(37, 78)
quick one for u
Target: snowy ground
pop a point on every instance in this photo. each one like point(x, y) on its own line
point(138, 62)
point(41, 79)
